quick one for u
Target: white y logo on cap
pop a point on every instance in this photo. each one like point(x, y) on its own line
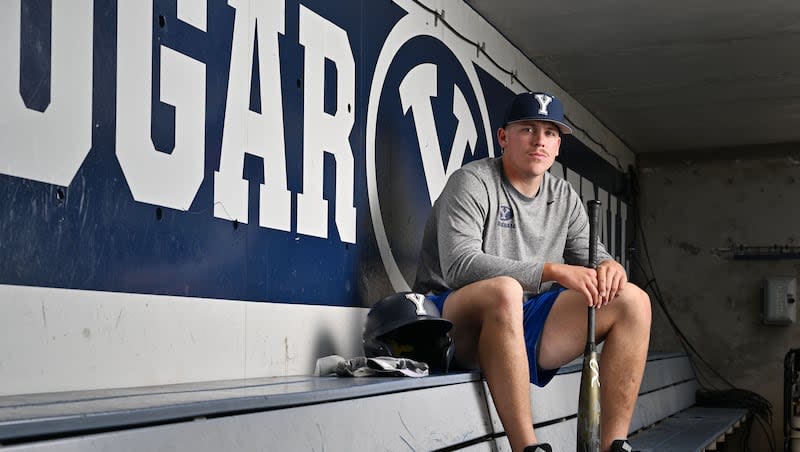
point(544, 101)
point(418, 300)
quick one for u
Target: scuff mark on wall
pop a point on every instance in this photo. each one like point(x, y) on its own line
point(321, 436)
point(286, 355)
point(119, 316)
point(689, 248)
point(400, 416)
point(410, 447)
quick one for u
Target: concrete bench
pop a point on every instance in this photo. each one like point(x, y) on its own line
point(440, 412)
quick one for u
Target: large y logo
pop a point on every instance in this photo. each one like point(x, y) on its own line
point(426, 66)
point(416, 91)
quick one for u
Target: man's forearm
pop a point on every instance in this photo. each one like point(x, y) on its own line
point(550, 271)
point(476, 266)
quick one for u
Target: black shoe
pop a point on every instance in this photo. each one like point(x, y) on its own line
point(544, 447)
point(621, 445)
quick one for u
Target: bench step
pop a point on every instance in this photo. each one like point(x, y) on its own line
point(694, 429)
point(55, 414)
point(451, 412)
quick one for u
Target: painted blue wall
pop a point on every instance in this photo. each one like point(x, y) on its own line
point(92, 234)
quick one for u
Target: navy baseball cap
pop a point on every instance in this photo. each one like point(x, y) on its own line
point(537, 107)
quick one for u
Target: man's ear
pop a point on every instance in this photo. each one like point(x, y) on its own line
point(558, 146)
point(502, 139)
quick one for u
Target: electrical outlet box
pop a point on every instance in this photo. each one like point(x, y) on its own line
point(780, 295)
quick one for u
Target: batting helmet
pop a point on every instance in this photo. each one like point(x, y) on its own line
point(407, 325)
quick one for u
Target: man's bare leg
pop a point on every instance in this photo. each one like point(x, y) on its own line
point(487, 330)
point(625, 325)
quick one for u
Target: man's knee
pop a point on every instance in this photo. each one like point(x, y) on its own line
point(636, 304)
point(505, 296)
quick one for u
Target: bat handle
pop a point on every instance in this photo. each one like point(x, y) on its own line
point(593, 211)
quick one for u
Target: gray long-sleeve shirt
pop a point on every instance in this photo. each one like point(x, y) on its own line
point(482, 227)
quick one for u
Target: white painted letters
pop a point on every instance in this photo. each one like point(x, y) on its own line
point(605, 235)
point(48, 146)
point(623, 213)
point(612, 239)
point(169, 180)
point(323, 132)
point(245, 131)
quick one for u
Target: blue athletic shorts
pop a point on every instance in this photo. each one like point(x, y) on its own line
point(534, 312)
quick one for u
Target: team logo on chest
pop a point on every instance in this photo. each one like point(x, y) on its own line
point(505, 217)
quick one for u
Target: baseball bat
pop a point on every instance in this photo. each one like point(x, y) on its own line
point(589, 397)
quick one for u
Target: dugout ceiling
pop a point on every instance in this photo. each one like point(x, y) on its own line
point(668, 76)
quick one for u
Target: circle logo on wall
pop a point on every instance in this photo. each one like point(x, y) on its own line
point(426, 117)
